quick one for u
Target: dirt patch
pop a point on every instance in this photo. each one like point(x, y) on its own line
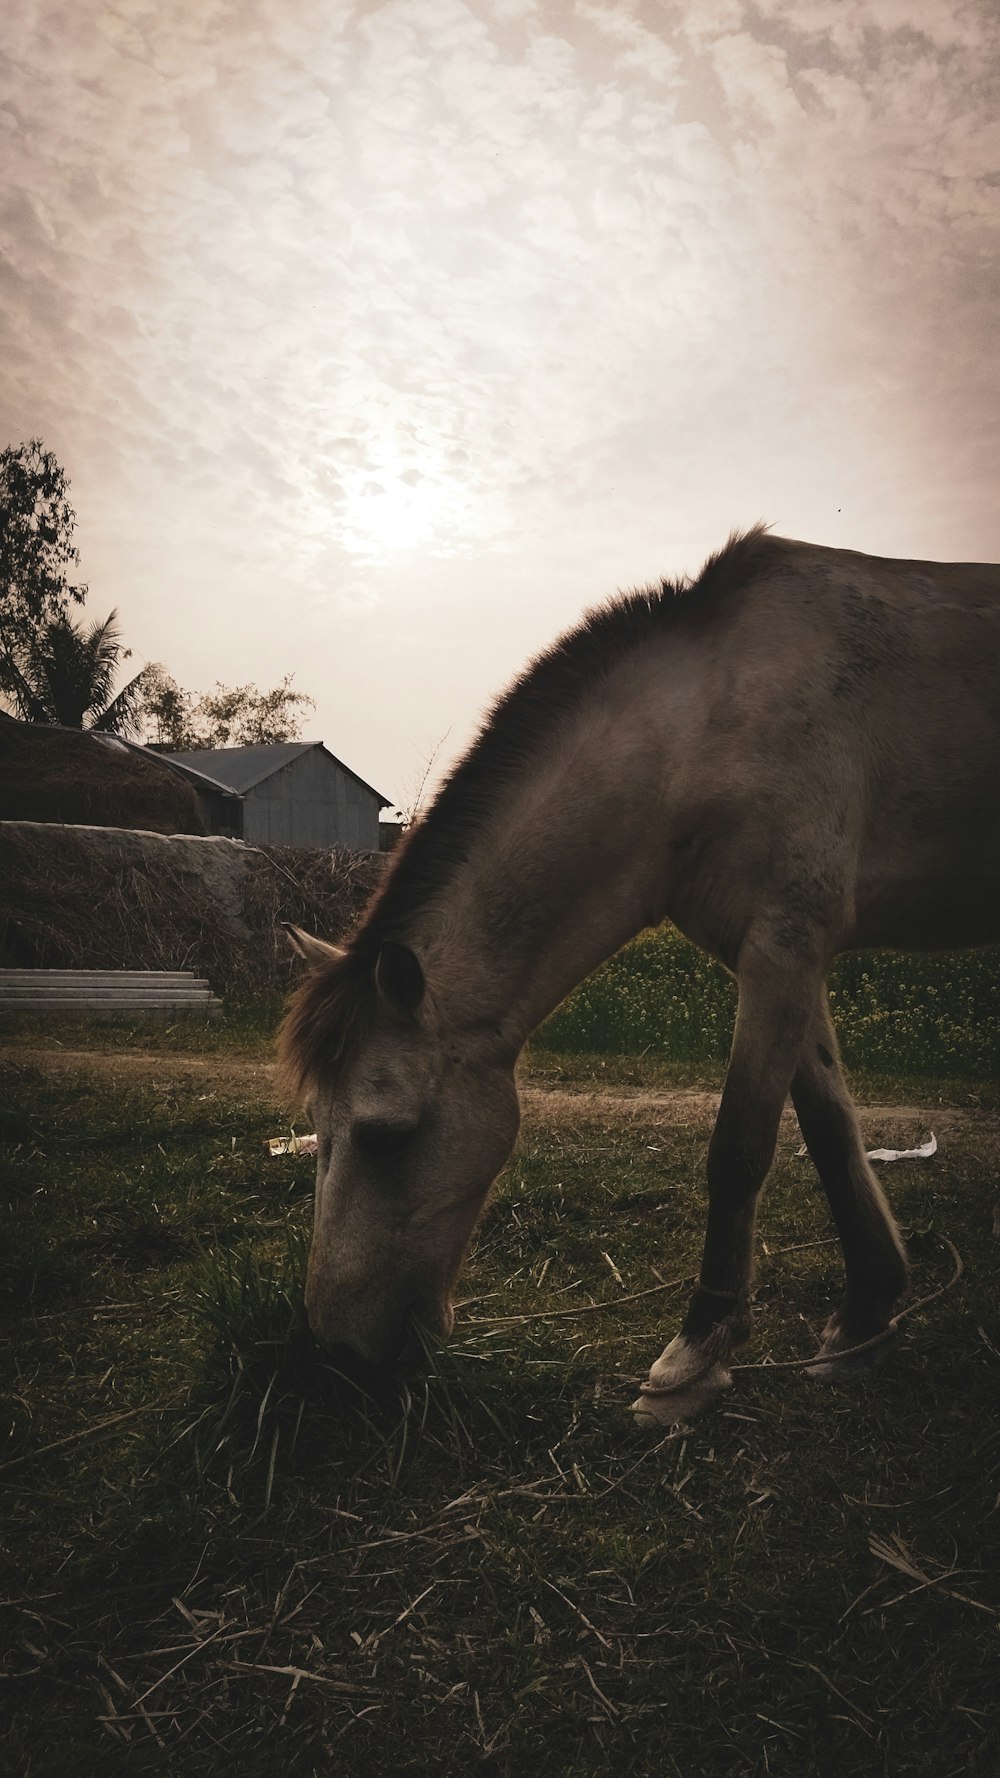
point(229, 1077)
point(965, 1132)
point(969, 1130)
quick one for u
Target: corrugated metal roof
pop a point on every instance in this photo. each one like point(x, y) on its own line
point(179, 761)
point(242, 767)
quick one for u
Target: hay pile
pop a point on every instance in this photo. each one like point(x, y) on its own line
point(96, 898)
point(61, 774)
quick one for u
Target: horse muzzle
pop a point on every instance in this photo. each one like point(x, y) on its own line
point(384, 1339)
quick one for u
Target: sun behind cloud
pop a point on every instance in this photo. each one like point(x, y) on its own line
point(398, 508)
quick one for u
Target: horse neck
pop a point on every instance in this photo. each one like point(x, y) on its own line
point(561, 875)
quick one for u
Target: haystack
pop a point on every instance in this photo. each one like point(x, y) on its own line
point(100, 898)
point(67, 775)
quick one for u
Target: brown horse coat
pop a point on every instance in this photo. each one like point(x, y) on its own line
point(796, 754)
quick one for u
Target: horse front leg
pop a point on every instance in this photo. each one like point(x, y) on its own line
point(874, 1257)
point(776, 998)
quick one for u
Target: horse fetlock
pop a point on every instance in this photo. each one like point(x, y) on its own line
point(888, 1272)
point(853, 1341)
point(710, 1324)
point(855, 1321)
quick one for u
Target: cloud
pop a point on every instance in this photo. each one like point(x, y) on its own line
point(328, 297)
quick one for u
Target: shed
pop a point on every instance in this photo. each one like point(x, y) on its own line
point(291, 793)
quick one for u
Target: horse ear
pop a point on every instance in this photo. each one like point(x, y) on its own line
point(312, 950)
point(399, 977)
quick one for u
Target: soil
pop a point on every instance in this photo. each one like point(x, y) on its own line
point(972, 1130)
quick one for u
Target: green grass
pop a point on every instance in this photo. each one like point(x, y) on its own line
point(245, 1028)
point(220, 1555)
point(662, 1001)
point(919, 1014)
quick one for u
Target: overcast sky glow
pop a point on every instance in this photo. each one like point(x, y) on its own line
point(379, 339)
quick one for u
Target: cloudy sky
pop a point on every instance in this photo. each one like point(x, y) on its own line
point(379, 339)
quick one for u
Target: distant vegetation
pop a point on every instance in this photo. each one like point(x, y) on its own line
point(58, 672)
point(227, 716)
point(53, 670)
point(66, 678)
point(923, 1013)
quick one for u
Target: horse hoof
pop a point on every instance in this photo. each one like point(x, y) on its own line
point(657, 1407)
point(682, 1384)
point(836, 1362)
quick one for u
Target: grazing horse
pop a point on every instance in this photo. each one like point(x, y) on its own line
point(796, 754)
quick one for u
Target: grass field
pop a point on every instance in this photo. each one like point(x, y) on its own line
point(934, 1015)
point(930, 1014)
point(218, 1558)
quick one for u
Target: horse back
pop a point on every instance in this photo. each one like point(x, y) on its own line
point(849, 744)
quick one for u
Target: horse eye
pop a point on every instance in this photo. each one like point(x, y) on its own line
point(380, 1139)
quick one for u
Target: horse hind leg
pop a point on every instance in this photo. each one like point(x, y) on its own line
point(777, 995)
point(874, 1257)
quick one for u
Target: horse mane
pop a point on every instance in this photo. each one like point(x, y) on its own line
point(335, 1005)
point(328, 1016)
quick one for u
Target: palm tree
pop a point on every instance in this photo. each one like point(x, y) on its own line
point(67, 674)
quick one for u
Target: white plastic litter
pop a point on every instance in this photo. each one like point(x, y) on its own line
point(280, 1145)
point(923, 1153)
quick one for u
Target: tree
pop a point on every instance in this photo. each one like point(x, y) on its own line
point(37, 553)
point(242, 716)
point(65, 674)
point(168, 712)
point(229, 716)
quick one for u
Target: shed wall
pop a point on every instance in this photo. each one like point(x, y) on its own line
point(311, 802)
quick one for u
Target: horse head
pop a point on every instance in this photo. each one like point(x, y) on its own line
point(414, 1119)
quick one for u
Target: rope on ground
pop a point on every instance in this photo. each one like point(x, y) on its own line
point(676, 1283)
point(834, 1358)
point(582, 1308)
point(788, 1364)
